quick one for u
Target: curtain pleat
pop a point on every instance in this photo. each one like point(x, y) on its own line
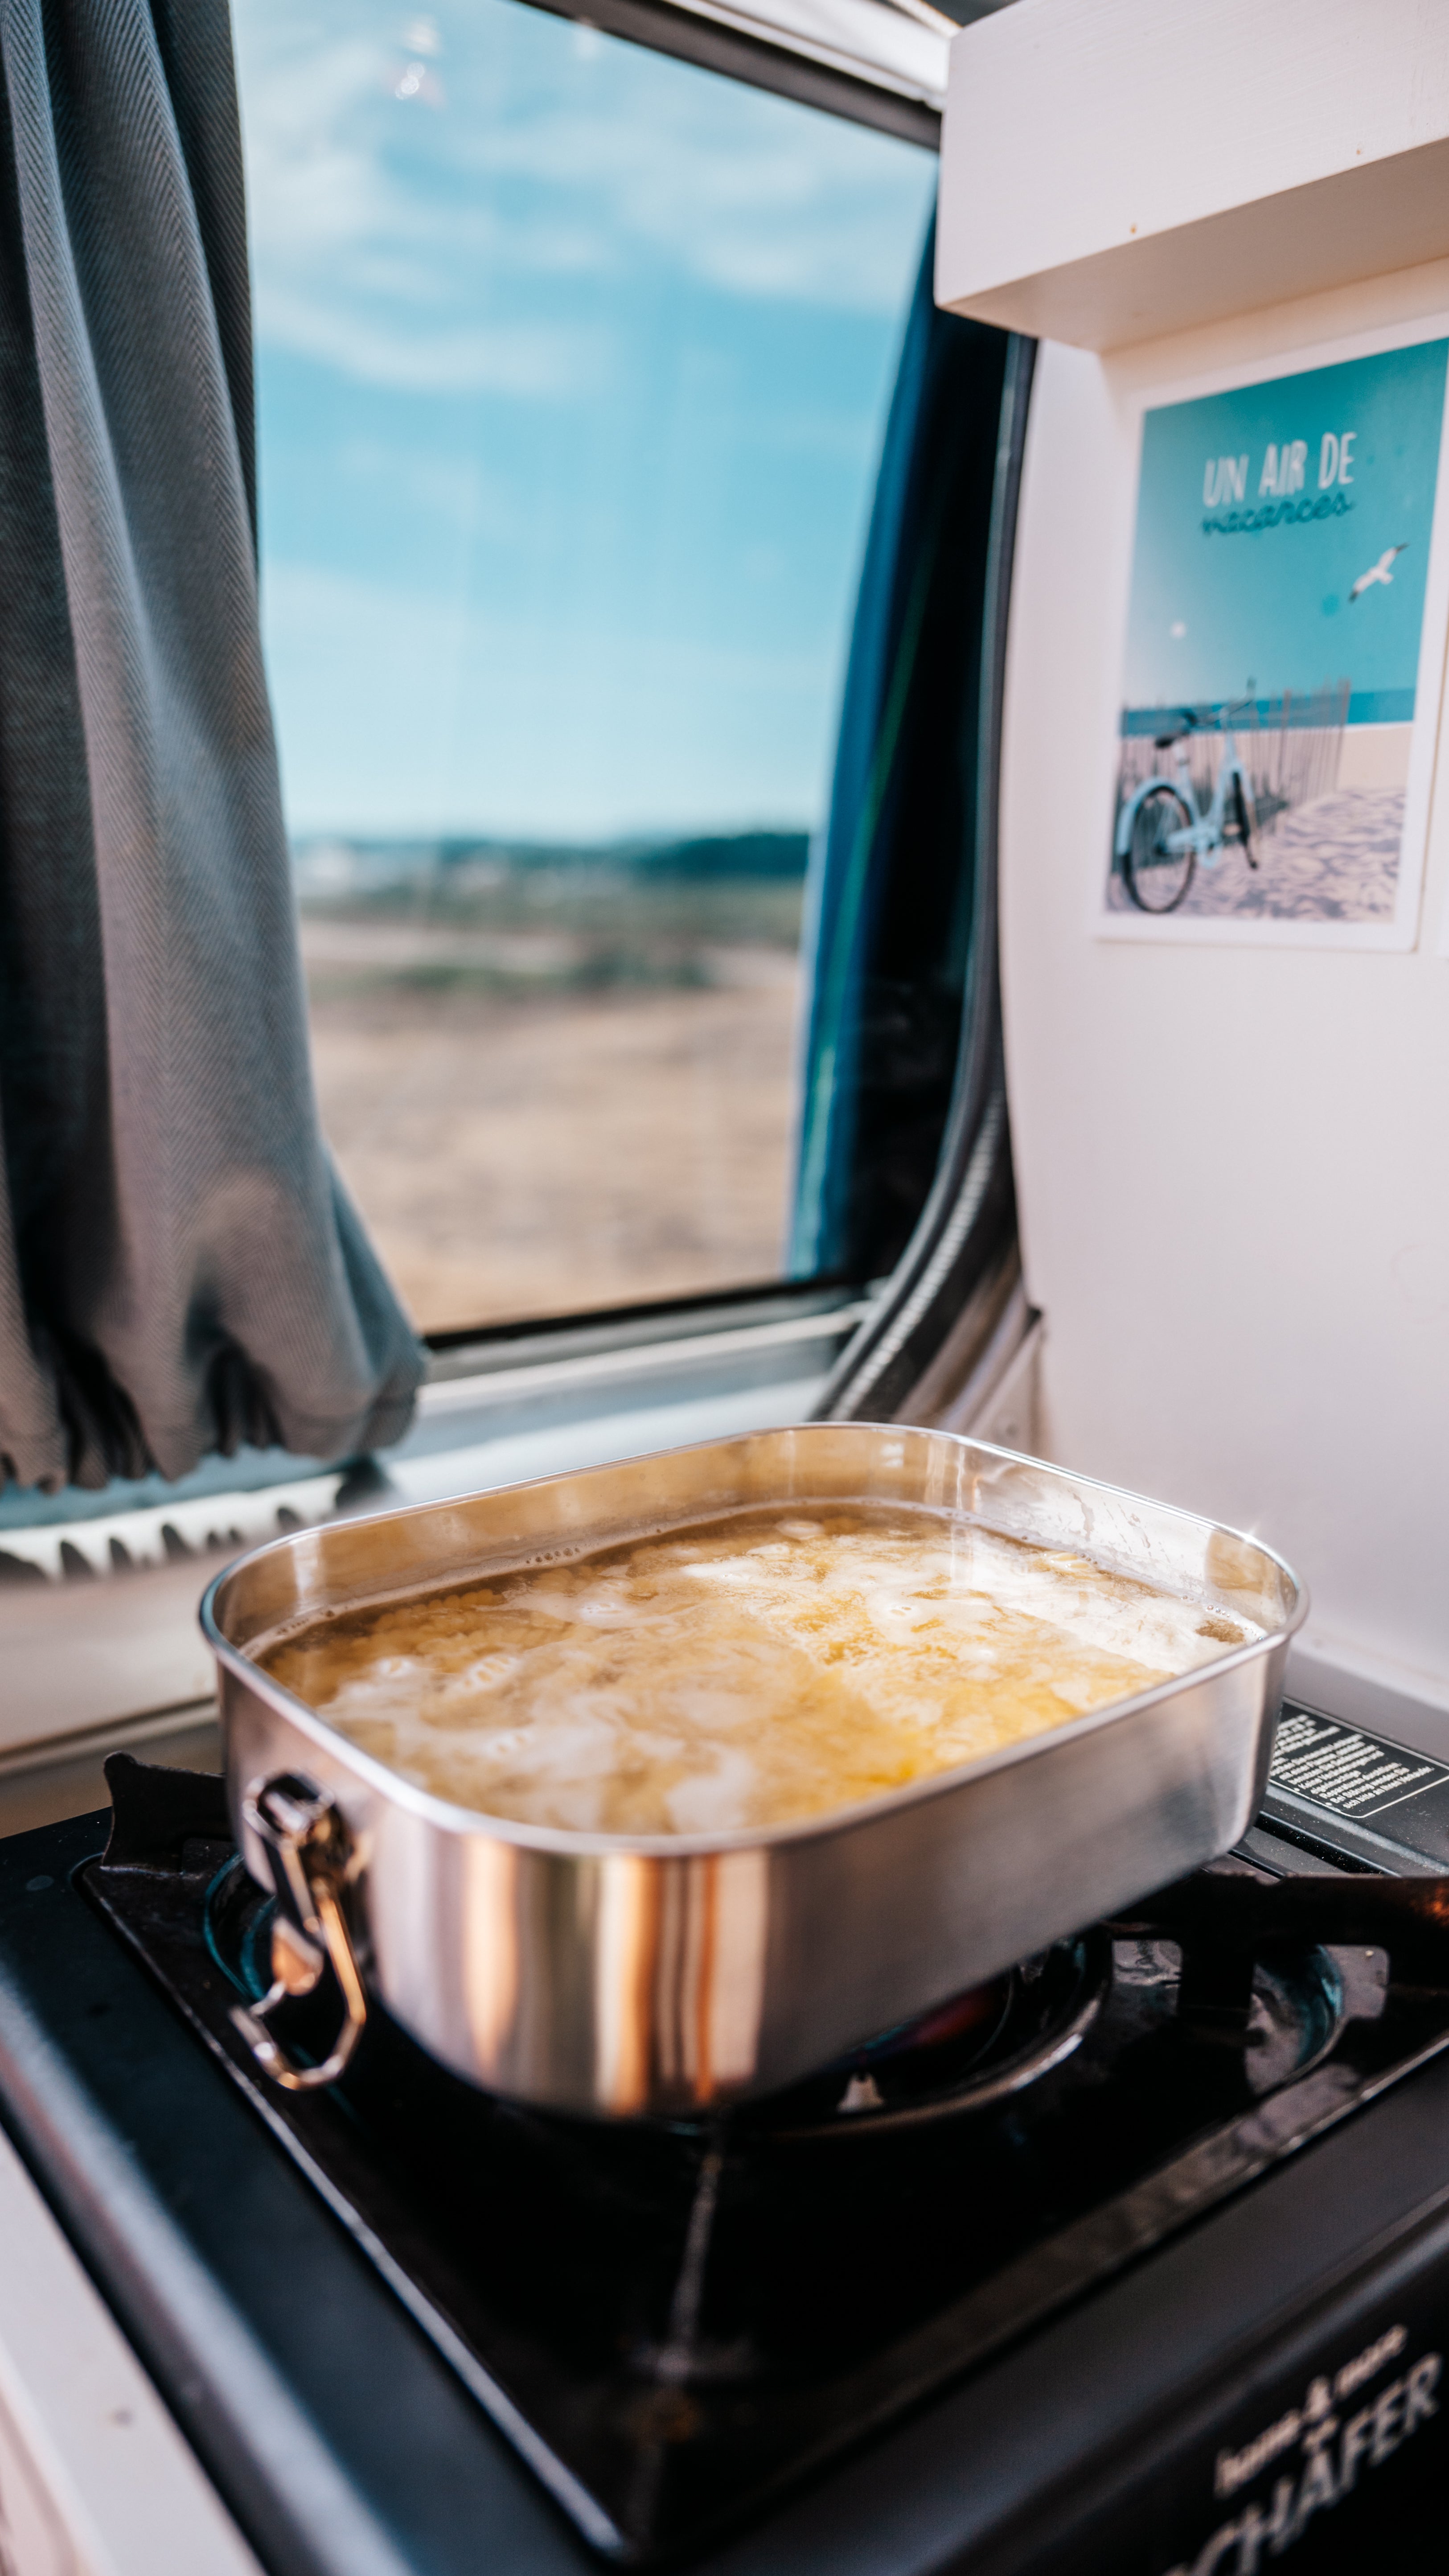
point(180, 1267)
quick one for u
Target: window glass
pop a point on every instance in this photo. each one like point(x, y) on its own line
point(572, 368)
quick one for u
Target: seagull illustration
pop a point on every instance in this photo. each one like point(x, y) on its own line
point(1380, 572)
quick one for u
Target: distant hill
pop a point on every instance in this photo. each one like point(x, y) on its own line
point(732, 854)
point(339, 864)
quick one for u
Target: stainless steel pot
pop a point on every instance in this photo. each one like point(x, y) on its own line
point(660, 1974)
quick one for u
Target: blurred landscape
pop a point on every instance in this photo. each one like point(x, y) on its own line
point(557, 1078)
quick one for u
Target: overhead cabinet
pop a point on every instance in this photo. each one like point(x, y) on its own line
point(1113, 169)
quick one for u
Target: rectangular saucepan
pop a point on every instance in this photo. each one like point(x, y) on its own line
point(667, 1974)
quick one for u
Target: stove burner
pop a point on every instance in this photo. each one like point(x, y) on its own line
point(993, 2040)
point(1278, 2014)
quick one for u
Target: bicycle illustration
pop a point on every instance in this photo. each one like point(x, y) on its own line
point(1162, 830)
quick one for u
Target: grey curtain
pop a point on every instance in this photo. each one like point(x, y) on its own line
point(180, 1268)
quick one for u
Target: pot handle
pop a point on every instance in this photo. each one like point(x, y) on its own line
point(306, 1841)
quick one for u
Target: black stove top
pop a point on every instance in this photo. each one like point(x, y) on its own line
point(677, 2325)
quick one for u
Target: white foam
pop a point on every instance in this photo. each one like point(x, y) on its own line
point(760, 1670)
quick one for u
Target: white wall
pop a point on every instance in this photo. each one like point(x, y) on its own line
point(1233, 1163)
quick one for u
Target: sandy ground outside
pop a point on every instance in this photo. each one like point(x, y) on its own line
point(1335, 859)
point(520, 1155)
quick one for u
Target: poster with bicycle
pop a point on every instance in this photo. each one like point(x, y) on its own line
point(1285, 644)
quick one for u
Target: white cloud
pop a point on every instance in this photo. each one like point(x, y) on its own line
point(738, 188)
point(406, 245)
point(539, 359)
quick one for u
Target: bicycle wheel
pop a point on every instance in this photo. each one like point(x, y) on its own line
point(1157, 877)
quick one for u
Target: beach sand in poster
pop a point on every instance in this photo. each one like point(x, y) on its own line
point(1328, 825)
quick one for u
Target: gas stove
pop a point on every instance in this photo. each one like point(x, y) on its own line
point(1137, 2256)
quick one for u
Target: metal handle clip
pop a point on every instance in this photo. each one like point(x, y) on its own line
point(306, 1842)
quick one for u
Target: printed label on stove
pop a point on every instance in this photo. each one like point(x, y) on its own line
point(1343, 1768)
point(1334, 2444)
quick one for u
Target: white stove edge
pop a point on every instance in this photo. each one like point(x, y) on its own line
point(95, 2478)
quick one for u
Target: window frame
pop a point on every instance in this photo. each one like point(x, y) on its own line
point(880, 63)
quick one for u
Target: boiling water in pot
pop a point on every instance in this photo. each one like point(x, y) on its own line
point(753, 1670)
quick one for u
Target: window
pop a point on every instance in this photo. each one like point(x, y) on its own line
point(573, 364)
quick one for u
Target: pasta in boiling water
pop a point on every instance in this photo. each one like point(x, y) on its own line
point(755, 1670)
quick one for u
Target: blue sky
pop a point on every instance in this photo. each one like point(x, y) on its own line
point(572, 371)
point(1274, 602)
